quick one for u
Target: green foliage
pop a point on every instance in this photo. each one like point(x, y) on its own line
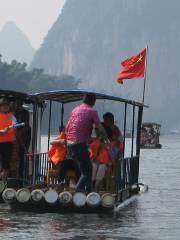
point(15, 76)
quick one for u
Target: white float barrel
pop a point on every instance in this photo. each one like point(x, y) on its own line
point(51, 196)
point(65, 198)
point(2, 186)
point(107, 200)
point(9, 195)
point(37, 195)
point(79, 199)
point(23, 195)
point(93, 199)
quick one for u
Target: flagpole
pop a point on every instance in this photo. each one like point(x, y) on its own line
point(145, 74)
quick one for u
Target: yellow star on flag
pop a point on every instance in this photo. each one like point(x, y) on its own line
point(140, 58)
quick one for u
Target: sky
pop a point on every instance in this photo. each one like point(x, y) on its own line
point(33, 17)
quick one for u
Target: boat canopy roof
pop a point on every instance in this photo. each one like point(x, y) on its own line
point(150, 124)
point(68, 96)
point(13, 95)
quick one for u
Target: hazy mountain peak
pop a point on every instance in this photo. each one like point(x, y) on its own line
point(14, 44)
point(91, 38)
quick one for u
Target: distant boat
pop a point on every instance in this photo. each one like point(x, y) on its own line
point(150, 133)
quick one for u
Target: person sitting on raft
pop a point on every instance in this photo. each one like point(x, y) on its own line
point(58, 150)
point(100, 156)
point(114, 134)
point(59, 157)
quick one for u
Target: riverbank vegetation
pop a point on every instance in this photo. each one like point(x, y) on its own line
point(16, 76)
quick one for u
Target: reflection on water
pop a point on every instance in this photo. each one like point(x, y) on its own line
point(152, 215)
point(76, 226)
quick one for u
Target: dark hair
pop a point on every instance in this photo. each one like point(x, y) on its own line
point(89, 98)
point(108, 115)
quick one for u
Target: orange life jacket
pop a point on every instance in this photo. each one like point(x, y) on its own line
point(99, 152)
point(6, 121)
point(58, 152)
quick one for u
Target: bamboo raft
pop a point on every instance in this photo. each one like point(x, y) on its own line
point(39, 190)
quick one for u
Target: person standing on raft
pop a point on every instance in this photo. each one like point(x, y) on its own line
point(78, 132)
point(7, 136)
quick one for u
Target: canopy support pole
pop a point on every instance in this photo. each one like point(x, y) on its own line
point(49, 125)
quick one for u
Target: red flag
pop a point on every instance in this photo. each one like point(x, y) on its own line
point(133, 67)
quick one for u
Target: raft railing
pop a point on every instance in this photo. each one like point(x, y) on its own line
point(127, 171)
point(130, 171)
point(36, 167)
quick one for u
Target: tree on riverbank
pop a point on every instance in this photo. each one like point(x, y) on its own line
point(15, 76)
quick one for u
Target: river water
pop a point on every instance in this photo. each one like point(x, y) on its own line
point(152, 215)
